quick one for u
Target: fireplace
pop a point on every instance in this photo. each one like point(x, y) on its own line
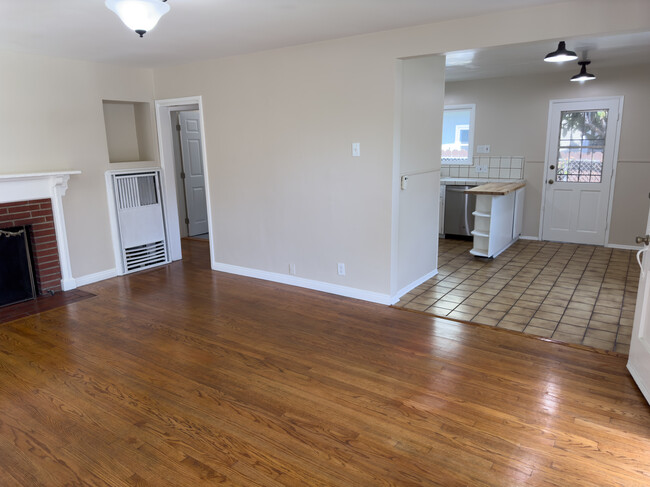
point(16, 269)
point(33, 202)
point(36, 217)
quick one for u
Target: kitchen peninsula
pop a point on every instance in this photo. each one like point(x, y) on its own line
point(498, 217)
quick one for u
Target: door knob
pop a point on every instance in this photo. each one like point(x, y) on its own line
point(552, 166)
point(550, 181)
point(644, 240)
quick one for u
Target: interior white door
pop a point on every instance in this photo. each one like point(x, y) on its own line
point(582, 142)
point(639, 360)
point(197, 212)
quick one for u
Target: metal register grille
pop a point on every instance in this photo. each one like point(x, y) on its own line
point(140, 218)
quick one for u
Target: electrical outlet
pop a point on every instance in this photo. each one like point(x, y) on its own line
point(483, 149)
point(480, 169)
point(341, 268)
point(292, 269)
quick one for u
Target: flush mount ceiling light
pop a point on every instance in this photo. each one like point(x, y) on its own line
point(560, 55)
point(139, 15)
point(583, 75)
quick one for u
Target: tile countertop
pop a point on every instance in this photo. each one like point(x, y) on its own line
point(477, 182)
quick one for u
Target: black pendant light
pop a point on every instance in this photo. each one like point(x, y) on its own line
point(561, 54)
point(583, 75)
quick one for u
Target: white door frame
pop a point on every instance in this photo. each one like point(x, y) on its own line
point(617, 139)
point(167, 163)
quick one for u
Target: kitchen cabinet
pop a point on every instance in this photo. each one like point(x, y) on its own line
point(498, 217)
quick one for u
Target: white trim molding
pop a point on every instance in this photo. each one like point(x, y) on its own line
point(326, 287)
point(624, 247)
point(396, 297)
point(96, 277)
point(167, 164)
point(52, 185)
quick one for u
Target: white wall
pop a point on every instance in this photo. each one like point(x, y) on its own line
point(512, 116)
point(419, 132)
point(279, 125)
point(52, 119)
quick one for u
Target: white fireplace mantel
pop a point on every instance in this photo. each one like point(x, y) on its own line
point(34, 186)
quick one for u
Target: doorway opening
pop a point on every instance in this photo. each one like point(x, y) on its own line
point(183, 159)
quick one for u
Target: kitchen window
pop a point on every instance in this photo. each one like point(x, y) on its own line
point(458, 134)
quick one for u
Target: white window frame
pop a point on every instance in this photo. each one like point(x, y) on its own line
point(470, 148)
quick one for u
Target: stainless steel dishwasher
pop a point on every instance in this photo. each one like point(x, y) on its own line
point(458, 210)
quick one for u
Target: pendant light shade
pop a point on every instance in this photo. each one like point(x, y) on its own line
point(561, 54)
point(139, 15)
point(583, 75)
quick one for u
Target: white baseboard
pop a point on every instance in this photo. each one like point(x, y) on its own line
point(624, 247)
point(611, 246)
point(395, 297)
point(326, 287)
point(96, 277)
point(67, 284)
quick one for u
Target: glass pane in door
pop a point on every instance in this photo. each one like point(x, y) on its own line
point(582, 146)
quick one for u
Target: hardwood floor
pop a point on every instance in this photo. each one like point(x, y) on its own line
point(184, 376)
point(41, 303)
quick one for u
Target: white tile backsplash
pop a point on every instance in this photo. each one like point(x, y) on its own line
point(505, 167)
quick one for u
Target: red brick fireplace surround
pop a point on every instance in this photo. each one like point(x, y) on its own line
point(35, 200)
point(38, 214)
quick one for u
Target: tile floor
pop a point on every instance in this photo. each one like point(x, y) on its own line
point(581, 294)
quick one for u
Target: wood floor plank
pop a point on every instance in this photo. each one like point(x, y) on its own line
point(184, 376)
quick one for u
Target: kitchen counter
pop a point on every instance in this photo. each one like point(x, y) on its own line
point(498, 217)
point(476, 181)
point(497, 189)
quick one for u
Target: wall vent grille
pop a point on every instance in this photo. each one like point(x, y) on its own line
point(140, 219)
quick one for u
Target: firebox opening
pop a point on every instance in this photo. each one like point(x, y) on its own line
point(17, 280)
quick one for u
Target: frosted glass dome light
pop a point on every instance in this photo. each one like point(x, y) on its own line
point(139, 15)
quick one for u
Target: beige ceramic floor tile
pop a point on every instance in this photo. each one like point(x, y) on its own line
point(622, 348)
point(596, 343)
point(542, 332)
point(571, 329)
point(509, 325)
point(540, 282)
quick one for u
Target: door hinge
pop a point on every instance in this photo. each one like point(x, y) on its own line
point(187, 221)
point(178, 127)
point(183, 175)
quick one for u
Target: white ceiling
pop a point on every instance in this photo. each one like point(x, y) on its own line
point(524, 59)
point(201, 29)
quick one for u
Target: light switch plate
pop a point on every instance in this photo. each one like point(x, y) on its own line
point(356, 149)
